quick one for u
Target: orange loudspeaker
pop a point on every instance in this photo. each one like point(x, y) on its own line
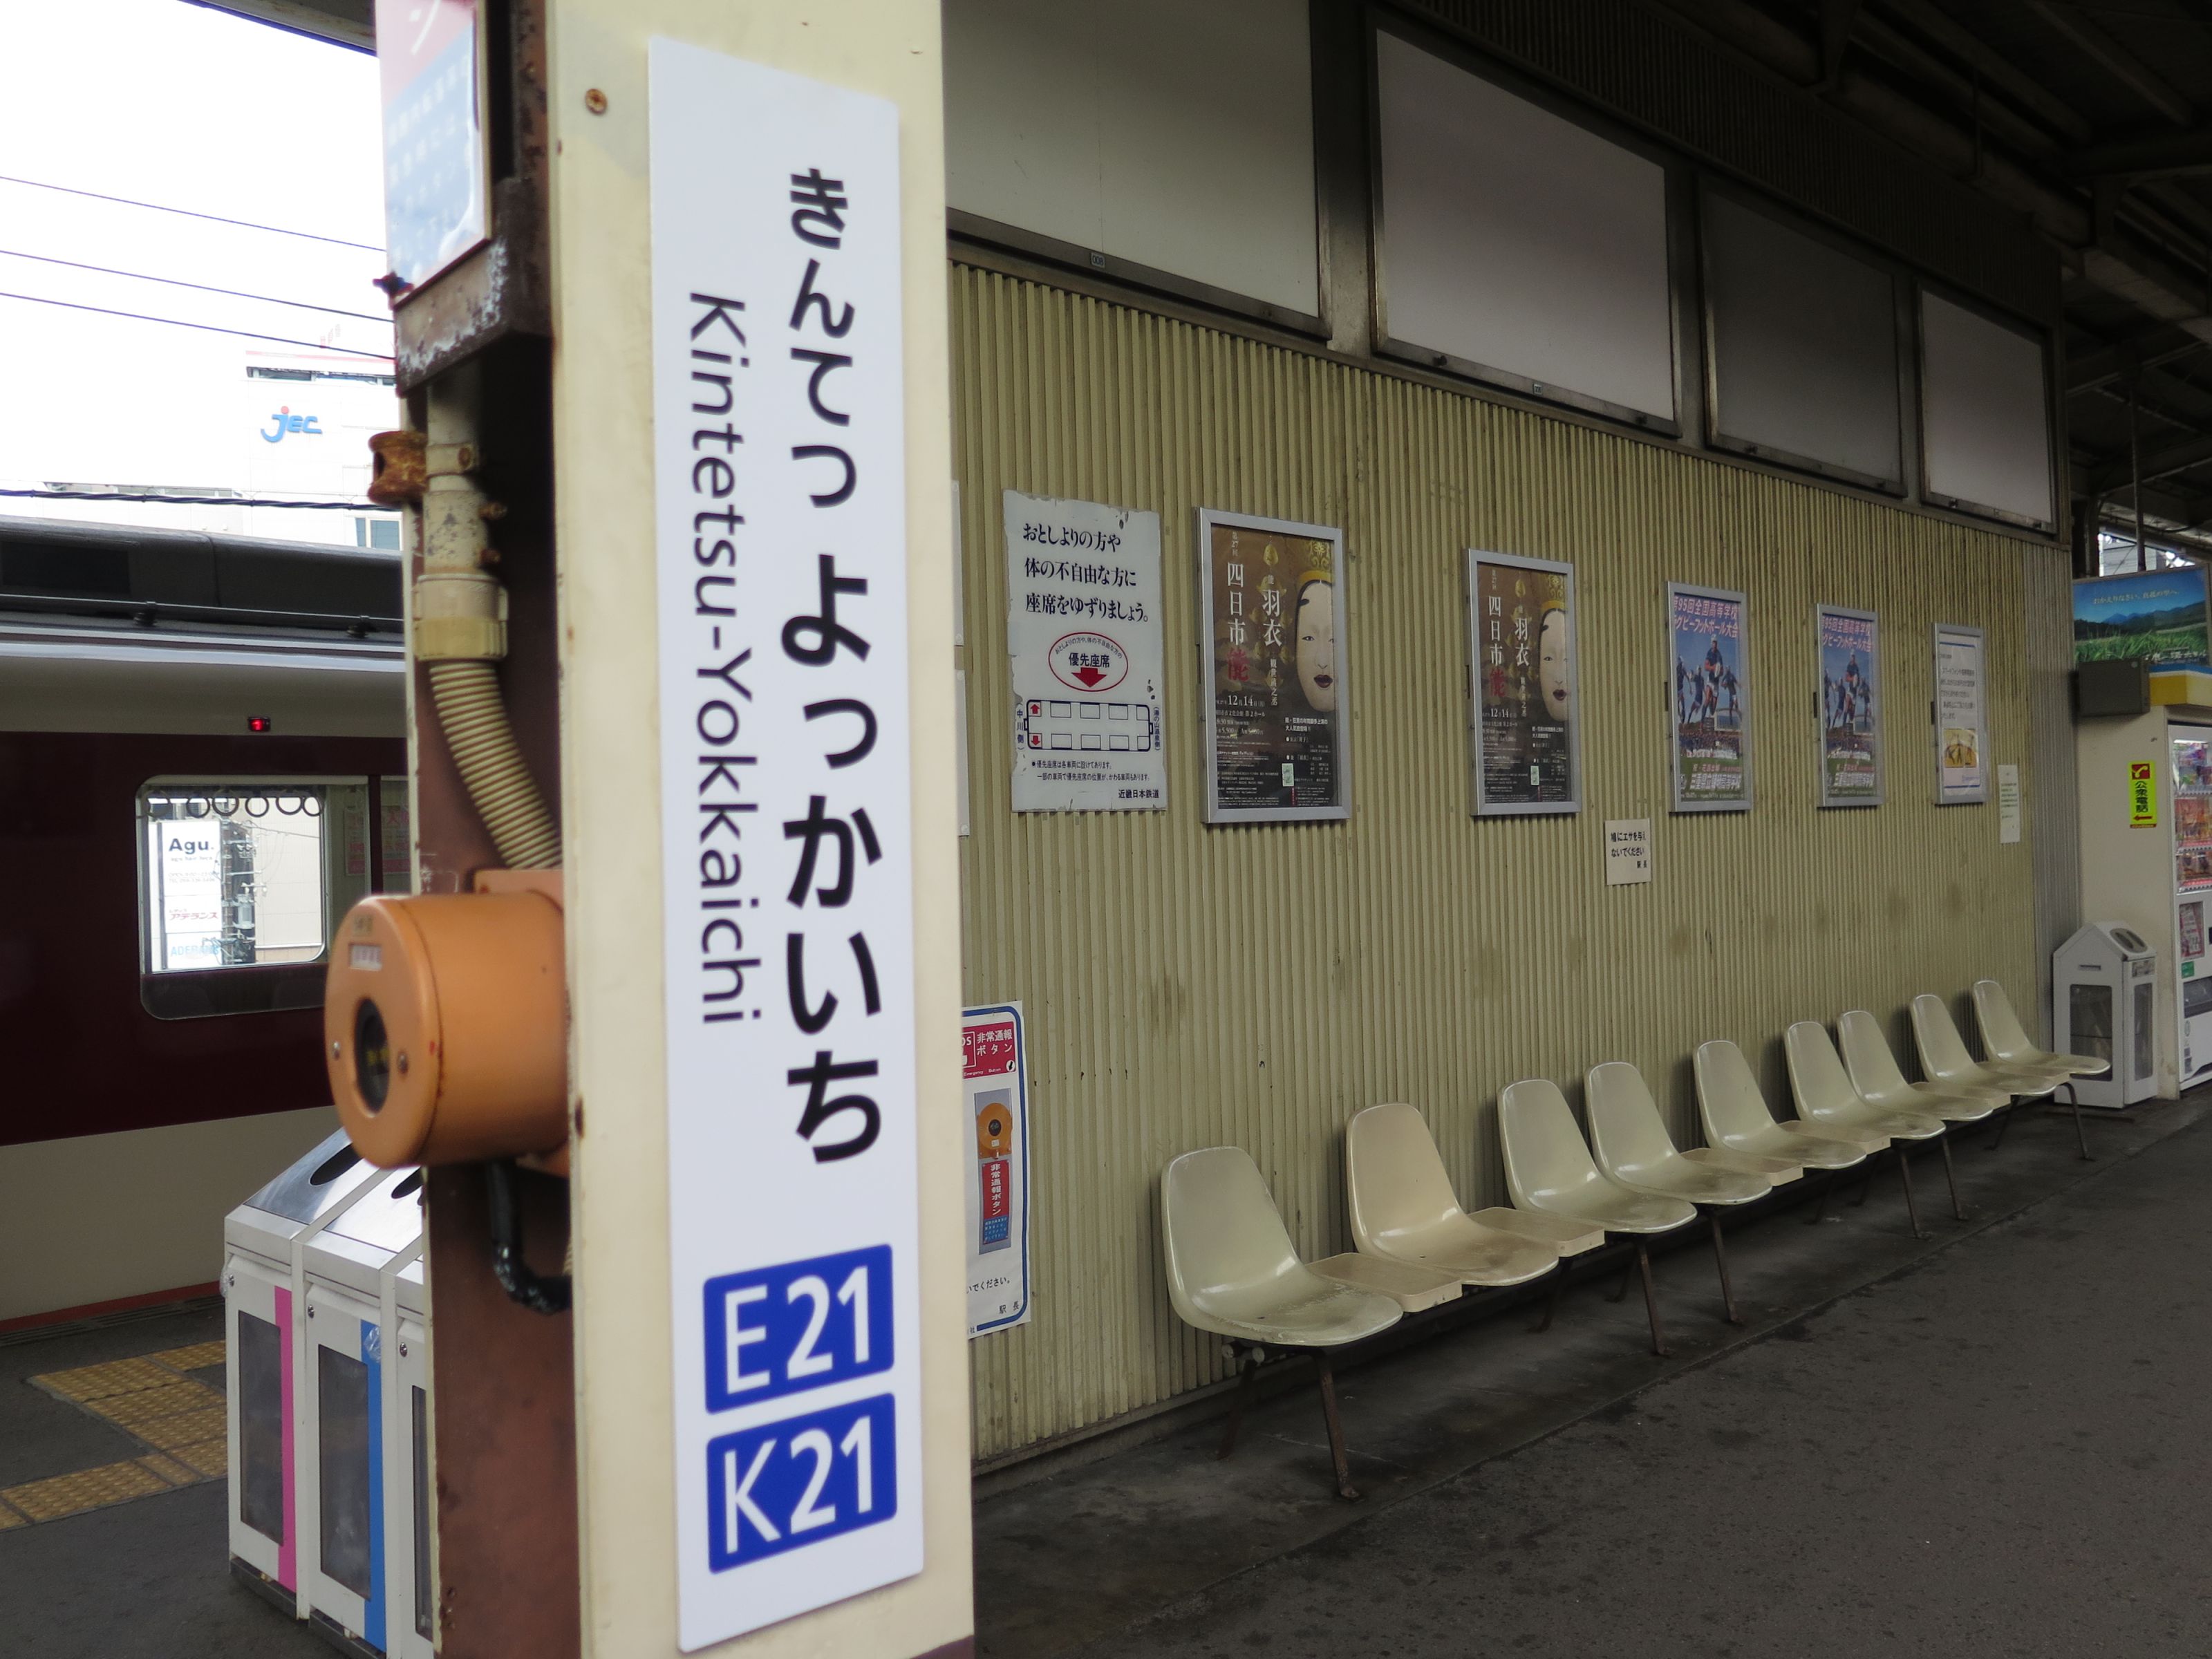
point(446, 1023)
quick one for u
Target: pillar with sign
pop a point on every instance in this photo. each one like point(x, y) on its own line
point(748, 274)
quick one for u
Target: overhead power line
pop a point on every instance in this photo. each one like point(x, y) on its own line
point(203, 288)
point(212, 218)
point(184, 501)
point(204, 328)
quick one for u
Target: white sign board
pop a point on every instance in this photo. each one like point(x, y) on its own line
point(786, 839)
point(1083, 627)
point(188, 861)
point(1627, 851)
point(1962, 735)
point(2007, 803)
point(994, 1135)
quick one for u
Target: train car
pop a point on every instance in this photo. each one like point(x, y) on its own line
point(202, 766)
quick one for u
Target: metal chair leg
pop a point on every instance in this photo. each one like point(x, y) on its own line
point(1251, 1364)
point(1720, 1261)
point(1651, 1299)
point(1951, 1174)
point(1628, 1274)
point(1820, 1208)
point(2074, 1096)
point(1551, 1300)
point(1911, 1204)
point(1345, 1489)
point(2004, 1123)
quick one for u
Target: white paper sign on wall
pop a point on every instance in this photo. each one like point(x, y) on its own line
point(1083, 629)
point(2007, 803)
point(1627, 851)
point(786, 839)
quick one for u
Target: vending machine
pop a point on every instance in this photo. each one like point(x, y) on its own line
point(2191, 750)
point(2146, 817)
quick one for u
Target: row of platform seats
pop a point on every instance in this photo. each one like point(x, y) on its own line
point(1233, 1270)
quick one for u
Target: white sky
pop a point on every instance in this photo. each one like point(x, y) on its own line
point(167, 102)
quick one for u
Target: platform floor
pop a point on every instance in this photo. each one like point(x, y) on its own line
point(1988, 1443)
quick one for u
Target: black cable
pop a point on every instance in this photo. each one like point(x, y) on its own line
point(212, 218)
point(204, 328)
point(203, 287)
point(548, 1293)
point(188, 501)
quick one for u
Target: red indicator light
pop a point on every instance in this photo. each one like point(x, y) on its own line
point(259, 723)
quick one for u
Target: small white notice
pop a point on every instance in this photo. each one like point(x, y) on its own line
point(1083, 629)
point(1627, 851)
point(786, 841)
point(2007, 803)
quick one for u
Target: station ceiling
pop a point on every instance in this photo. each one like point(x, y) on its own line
point(2092, 117)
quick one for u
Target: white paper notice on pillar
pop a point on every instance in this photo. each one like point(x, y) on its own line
point(1083, 627)
point(994, 1137)
point(786, 840)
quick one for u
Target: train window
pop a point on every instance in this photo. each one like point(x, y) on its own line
point(243, 880)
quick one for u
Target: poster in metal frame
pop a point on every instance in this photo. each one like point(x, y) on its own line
point(1498, 737)
point(1848, 707)
point(1719, 681)
point(1961, 781)
point(1322, 669)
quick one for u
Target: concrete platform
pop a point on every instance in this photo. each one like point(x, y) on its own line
point(1986, 1443)
point(1983, 1443)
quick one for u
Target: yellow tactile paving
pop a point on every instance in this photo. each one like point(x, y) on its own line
point(210, 1458)
point(182, 1419)
point(183, 1428)
point(134, 1409)
point(195, 1357)
point(88, 1489)
point(176, 1473)
point(117, 1377)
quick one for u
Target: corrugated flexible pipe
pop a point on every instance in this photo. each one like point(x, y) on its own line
point(461, 633)
point(474, 717)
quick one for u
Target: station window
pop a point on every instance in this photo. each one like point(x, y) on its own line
point(243, 880)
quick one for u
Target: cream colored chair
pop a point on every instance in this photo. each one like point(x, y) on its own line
point(1629, 1143)
point(1944, 1059)
point(1403, 1208)
point(2008, 1043)
point(2007, 1039)
point(1735, 1115)
point(1232, 1271)
point(1549, 1170)
point(1827, 1100)
point(1874, 1073)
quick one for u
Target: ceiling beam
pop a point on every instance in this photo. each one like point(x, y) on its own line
point(2000, 74)
point(2109, 476)
point(1836, 17)
point(2162, 155)
point(2118, 61)
point(2101, 365)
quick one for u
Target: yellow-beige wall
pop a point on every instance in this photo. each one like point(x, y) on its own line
point(1187, 987)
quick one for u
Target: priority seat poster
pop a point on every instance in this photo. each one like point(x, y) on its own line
point(1083, 633)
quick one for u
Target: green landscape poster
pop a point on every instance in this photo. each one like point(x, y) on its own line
point(2157, 615)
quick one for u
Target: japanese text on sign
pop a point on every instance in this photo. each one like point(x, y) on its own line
point(2143, 796)
point(999, 1189)
point(1083, 634)
point(786, 839)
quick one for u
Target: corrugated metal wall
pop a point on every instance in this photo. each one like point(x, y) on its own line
point(1187, 987)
